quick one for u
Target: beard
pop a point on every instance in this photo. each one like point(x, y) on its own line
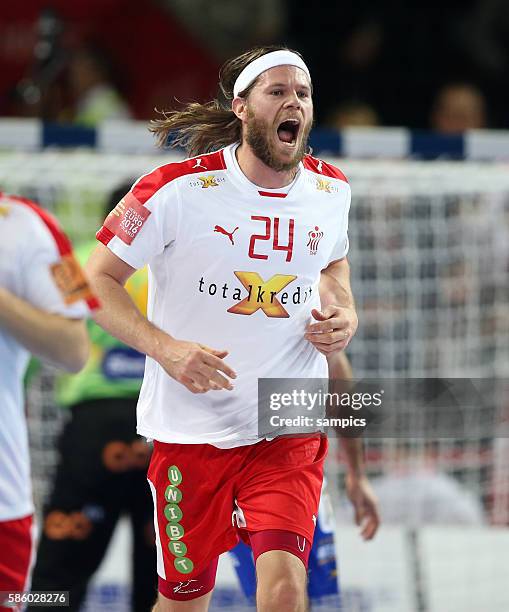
point(257, 137)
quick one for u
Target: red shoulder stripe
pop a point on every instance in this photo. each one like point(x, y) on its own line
point(320, 167)
point(149, 184)
point(152, 182)
point(62, 242)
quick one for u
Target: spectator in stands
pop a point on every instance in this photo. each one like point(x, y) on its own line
point(458, 107)
point(482, 32)
point(102, 467)
point(352, 113)
point(226, 27)
point(96, 97)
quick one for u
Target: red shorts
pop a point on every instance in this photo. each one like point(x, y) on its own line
point(206, 497)
point(17, 552)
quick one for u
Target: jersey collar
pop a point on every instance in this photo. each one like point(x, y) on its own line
point(242, 182)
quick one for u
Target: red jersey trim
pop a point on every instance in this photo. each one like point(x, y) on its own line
point(268, 194)
point(62, 242)
point(104, 235)
point(318, 166)
point(150, 184)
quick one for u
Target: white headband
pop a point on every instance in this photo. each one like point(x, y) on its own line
point(263, 63)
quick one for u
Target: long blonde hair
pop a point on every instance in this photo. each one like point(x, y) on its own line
point(201, 128)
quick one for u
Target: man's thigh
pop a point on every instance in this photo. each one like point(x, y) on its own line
point(193, 490)
point(279, 489)
point(276, 486)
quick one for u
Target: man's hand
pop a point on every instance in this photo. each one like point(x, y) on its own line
point(197, 366)
point(365, 505)
point(194, 365)
point(335, 328)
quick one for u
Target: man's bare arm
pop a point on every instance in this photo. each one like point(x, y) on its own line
point(357, 485)
point(194, 365)
point(340, 369)
point(337, 320)
point(58, 339)
point(337, 275)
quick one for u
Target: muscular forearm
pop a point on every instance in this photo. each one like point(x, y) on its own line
point(340, 369)
point(357, 485)
point(49, 336)
point(337, 319)
point(336, 280)
point(196, 366)
point(354, 452)
point(120, 317)
point(339, 366)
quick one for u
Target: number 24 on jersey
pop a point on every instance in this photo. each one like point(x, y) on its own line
point(272, 231)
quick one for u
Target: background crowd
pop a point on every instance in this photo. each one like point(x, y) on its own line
point(439, 66)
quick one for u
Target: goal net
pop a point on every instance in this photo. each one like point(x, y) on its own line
point(429, 260)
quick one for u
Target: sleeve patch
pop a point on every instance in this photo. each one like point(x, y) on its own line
point(71, 281)
point(127, 218)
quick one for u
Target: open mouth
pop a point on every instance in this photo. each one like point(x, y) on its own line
point(288, 131)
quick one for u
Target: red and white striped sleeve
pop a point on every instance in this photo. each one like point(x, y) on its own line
point(145, 221)
point(50, 276)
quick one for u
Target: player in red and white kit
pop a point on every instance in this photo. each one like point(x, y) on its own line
point(43, 299)
point(237, 241)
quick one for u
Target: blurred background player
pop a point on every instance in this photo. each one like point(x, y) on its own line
point(43, 299)
point(102, 466)
point(437, 497)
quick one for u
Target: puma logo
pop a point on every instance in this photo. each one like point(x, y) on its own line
point(303, 544)
point(221, 230)
point(198, 164)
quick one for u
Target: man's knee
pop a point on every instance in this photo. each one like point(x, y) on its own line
point(286, 594)
point(282, 580)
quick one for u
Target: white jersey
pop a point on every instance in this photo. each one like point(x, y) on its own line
point(232, 266)
point(33, 254)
